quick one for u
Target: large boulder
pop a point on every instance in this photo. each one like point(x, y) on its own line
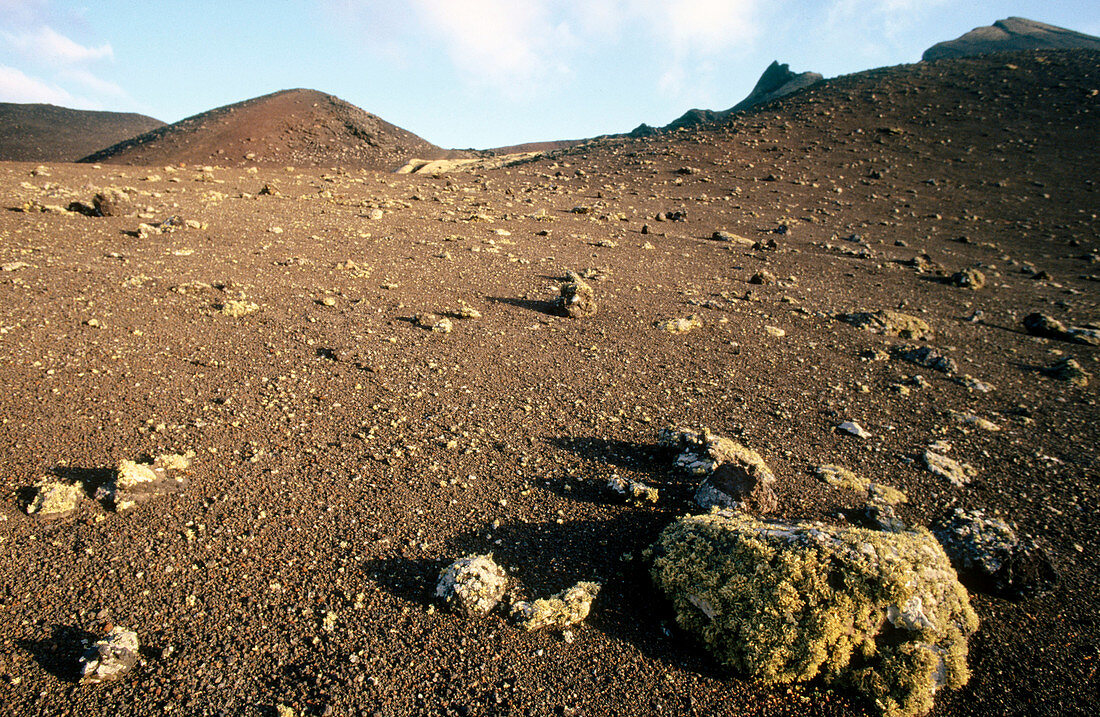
point(784, 602)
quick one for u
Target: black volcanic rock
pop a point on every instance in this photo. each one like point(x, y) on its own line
point(1011, 35)
point(47, 133)
point(777, 81)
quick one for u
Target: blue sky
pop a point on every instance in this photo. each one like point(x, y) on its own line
point(469, 73)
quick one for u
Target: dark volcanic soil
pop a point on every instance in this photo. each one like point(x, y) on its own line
point(45, 133)
point(344, 454)
point(292, 127)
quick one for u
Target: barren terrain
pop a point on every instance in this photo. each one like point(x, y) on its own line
point(344, 453)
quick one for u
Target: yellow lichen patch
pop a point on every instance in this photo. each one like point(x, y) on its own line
point(560, 611)
point(840, 477)
point(787, 602)
point(887, 494)
point(130, 474)
point(237, 308)
point(54, 498)
point(174, 461)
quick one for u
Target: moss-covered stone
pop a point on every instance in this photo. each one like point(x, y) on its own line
point(577, 298)
point(734, 476)
point(841, 477)
point(559, 611)
point(890, 323)
point(786, 602)
point(54, 498)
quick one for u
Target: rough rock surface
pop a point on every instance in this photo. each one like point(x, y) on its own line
point(54, 498)
point(473, 585)
point(841, 477)
point(577, 297)
point(890, 323)
point(1069, 370)
point(559, 611)
point(733, 476)
point(110, 658)
point(967, 279)
point(681, 326)
point(135, 482)
point(955, 473)
point(928, 357)
point(1051, 328)
point(785, 602)
point(634, 491)
point(991, 557)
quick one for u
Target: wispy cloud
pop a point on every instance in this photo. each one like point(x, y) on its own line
point(48, 46)
point(16, 86)
point(513, 46)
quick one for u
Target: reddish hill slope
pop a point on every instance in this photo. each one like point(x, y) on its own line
point(292, 127)
point(47, 133)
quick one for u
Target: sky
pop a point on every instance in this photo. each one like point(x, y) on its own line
point(470, 73)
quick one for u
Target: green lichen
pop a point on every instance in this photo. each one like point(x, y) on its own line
point(788, 602)
point(559, 611)
point(841, 477)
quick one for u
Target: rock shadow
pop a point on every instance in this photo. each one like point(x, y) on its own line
point(536, 305)
point(60, 653)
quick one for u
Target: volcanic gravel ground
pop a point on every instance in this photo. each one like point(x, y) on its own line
point(344, 454)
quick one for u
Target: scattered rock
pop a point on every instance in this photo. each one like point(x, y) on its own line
point(990, 557)
point(734, 476)
point(967, 279)
point(112, 203)
point(725, 236)
point(762, 277)
point(1047, 327)
point(968, 419)
point(237, 308)
point(54, 499)
point(927, 357)
point(890, 323)
point(136, 482)
point(681, 326)
point(567, 608)
point(577, 298)
point(473, 585)
point(632, 490)
point(853, 428)
point(973, 384)
point(783, 602)
point(110, 658)
point(840, 477)
point(1067, 369)
point(955, 473)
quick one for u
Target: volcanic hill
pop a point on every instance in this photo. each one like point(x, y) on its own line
point(374, 375)
point(47, 133)
point(293, 127)
point(1011, 34)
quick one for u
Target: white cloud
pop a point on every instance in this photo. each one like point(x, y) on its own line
point(47, 46)
point(15, 86)
point(515, 45)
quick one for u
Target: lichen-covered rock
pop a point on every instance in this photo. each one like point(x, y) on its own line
point(136, 482)
point(990, 556)
point(577, 299)
point(1042, 325)
point(841, 477)
point(110, 658)
point(559, 611)
point(955, 473)
point(237, 308)
point(54, 498)
point(1068, 370)
point(734, 476)
point(112, 203)
point(632, 490)
point(890, 323)
point(927, 357)
point(967, 279)
point(784, 602)
point(473, 585)
point(681, 326)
